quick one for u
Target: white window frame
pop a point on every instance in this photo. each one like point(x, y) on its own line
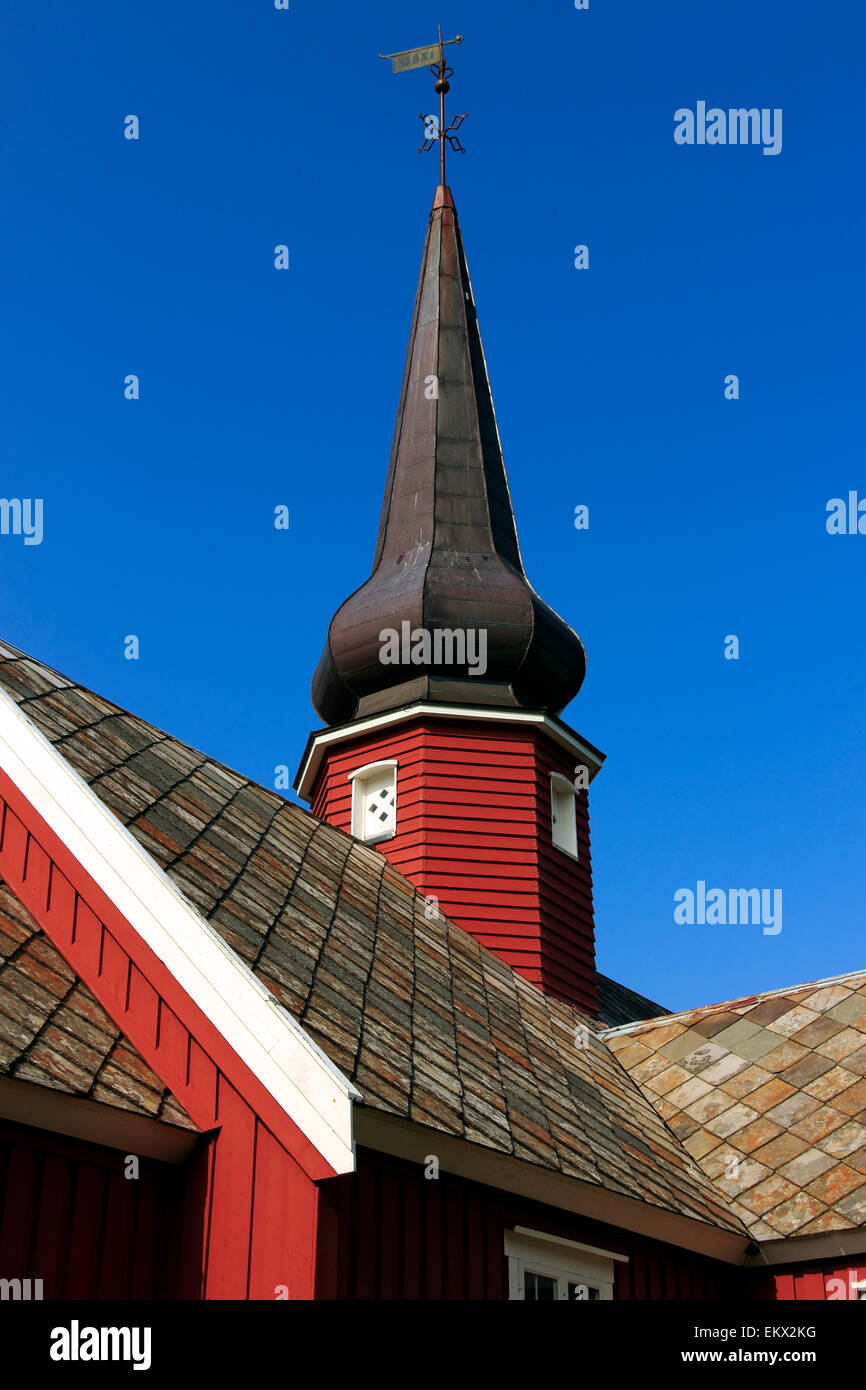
point(562, 784)
point(566, 1261)
point(358, 779)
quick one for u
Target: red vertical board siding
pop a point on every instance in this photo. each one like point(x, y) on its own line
point(52, 1218)
point(398, 1235)
point(808, 1283)
point(434, 1204)
point(120, 1220)
point(392, 1233)
point(825, 1281)
point(231, 1198)
point(250, 1207)
point(413, 1261)
point(69, 1217)
point(147, 1228)
point(22, 1175)
point(285, 1207)
point(474, 830)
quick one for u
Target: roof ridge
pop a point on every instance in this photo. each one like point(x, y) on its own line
point(745, 999)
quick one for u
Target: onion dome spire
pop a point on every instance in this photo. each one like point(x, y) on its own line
point(447, 560)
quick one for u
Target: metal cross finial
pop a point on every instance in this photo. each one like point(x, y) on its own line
point(443, 132)
point(434, 129)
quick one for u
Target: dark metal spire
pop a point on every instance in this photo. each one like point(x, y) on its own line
point(447, 557)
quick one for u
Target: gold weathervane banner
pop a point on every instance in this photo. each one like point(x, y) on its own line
point(415, 58)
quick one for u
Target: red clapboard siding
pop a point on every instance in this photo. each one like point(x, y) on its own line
point(474, 831)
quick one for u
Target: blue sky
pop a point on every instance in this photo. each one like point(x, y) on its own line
point(259, 387)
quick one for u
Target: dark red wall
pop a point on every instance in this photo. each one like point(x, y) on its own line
point(391, 1233)
point(69, 1217)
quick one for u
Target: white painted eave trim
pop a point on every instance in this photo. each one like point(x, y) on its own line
point(311, 1090)
point(327, 738)
point(572, 1244)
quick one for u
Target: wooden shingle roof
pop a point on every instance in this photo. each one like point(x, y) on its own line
point(427, 1023)
point(54, 1033)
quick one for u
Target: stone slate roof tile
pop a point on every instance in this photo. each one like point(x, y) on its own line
point(780, 1120)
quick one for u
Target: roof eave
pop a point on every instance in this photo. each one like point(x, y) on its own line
point(321, 739)
point(400, 1138)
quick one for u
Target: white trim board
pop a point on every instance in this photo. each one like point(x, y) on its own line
point(301, 1078)
point(532, 1234)
point(561, 1260)
point(325, 738)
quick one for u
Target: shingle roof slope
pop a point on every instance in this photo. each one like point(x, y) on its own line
point(54, 1033)
point(768, 1093)
point(427, 1023)
point(617, 1004)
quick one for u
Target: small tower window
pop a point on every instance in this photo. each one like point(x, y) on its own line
point(374, 801)
point(563, 814)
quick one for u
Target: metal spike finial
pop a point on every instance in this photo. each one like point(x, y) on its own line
point(434, 128)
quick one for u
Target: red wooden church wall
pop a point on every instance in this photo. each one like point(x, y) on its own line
point(250, 1207)
point(390, 1233)
point(822, 1281)
point(70, 1218)
point(474, 830)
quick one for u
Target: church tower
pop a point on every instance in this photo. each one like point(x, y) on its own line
point(443, 675)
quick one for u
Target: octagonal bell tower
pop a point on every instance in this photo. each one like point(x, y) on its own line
point(443, 675)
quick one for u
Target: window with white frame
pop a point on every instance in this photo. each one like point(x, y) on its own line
point(374, 801)
point(563, 813)
point(544, 1268)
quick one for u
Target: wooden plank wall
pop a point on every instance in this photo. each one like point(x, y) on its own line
point(69, 1217)
point(389, 1232)
point(474, 830)
point(822, 1281)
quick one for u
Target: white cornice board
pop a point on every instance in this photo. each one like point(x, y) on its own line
point(326, 738)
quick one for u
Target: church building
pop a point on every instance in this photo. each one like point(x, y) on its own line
point(362, 1051)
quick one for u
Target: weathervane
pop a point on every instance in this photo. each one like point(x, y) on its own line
point(434, 56)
